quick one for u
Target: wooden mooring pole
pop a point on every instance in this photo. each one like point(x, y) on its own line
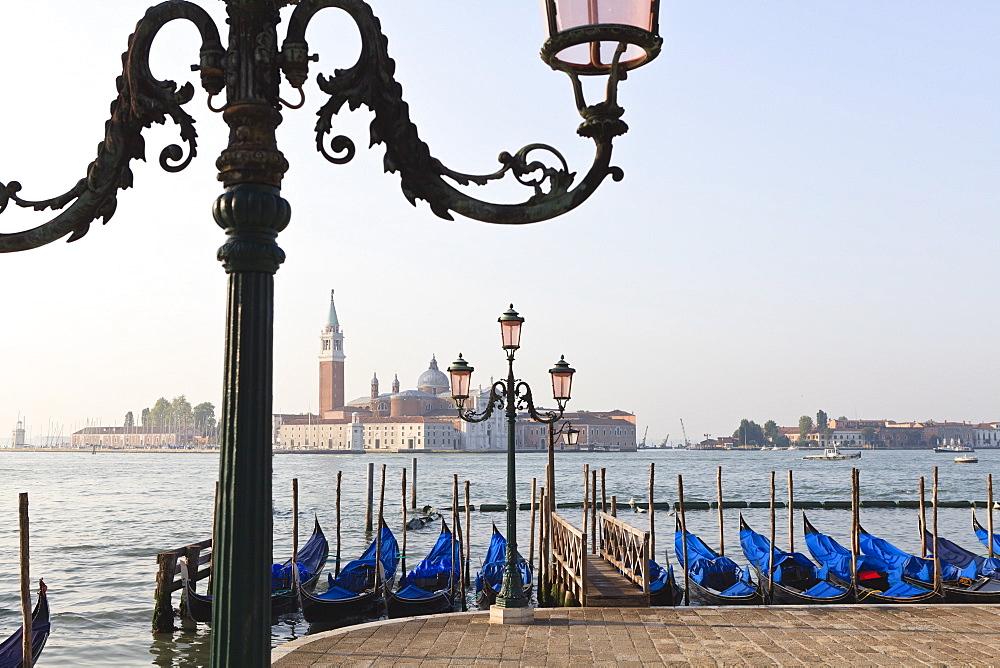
point(531, 533)
point(27, 656)
point(456, 550)
point(336, 566)
point(684, 543)
point(855, 521)
point(542, 531)
point(370, 497)
point(593, 511)
point(586, 496)
point(934, 519)
point(604, 492)
point(652, 524)
point(791, 514)
point(468, 540)
point(989, 513)
point(722, 530)
point(402, 550)
point(922, 517)
point(770, 558)
point(295, 533)
point(413, 484)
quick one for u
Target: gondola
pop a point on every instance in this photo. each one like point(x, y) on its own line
point(876, 581)
point(796, 578)
point(663, 589)
point(981, 533)
point(713, 579)
point(11, 650)
point(352, 595)
point(490, 577)
point(284, 599)
point(956, 584)
point(979, 577)
point(429, 588)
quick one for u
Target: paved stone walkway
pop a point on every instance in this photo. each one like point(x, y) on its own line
point(910, 635)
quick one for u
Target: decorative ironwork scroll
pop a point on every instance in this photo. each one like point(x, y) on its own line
point(370, 82)
point(142, 100)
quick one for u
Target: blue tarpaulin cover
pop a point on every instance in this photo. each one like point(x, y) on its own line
point(710, 570)
point(971, 565)
point(437, 561)
point(495, 563)
point(903, 563)
point(981, 535)
point(837, 558)
point(792, 569)
point(359, 575)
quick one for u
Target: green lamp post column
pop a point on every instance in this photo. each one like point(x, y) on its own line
point(252, 212)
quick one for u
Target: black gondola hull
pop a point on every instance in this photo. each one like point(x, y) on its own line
point(397, 606)
point(362, 607)
point(785, 595)
point(708, 596)
point(199, 606)
point(951, 593)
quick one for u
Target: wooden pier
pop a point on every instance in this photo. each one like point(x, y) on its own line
point(616, 577)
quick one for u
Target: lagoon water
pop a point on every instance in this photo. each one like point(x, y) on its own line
point(97, 521)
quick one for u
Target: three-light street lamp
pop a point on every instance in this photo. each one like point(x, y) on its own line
point(510, 395)
point(585, 38)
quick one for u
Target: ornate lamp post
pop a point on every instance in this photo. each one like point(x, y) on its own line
point(586, 38)
point(510, 395)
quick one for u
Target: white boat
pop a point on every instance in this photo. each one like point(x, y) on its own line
point(776, 448)
point(764, 447)
point(954, 448)
point(833, 454)
point(792, 447)
point(966, 460)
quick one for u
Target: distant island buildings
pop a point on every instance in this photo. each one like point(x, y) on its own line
point(424, 417)
point(887, 434)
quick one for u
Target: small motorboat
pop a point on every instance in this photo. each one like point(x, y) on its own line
point(966, 460)
point(833, 455)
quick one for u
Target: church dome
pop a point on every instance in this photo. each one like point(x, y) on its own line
point(433, 380)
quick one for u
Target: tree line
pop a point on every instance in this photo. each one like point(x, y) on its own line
point(177, 412)
point(751, 433)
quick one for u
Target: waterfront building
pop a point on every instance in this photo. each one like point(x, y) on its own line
point(423, 417)
point(136, 437)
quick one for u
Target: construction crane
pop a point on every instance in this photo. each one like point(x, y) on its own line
point(642, 443)
point(686, 442)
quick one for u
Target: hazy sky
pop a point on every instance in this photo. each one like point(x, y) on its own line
point(809, 219)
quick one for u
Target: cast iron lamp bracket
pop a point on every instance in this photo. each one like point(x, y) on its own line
point(370, 82)
point(522, 401)
point(142, 100)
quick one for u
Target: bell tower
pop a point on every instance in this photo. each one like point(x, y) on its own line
point(331, 363)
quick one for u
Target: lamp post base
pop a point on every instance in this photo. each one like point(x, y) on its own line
point(510, 616)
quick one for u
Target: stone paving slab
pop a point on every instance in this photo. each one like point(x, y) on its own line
point(877, 635)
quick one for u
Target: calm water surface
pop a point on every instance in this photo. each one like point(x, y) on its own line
point(97, 521)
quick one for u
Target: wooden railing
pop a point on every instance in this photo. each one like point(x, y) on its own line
point(626, 548)
point(195, 556)
point(569, 554)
